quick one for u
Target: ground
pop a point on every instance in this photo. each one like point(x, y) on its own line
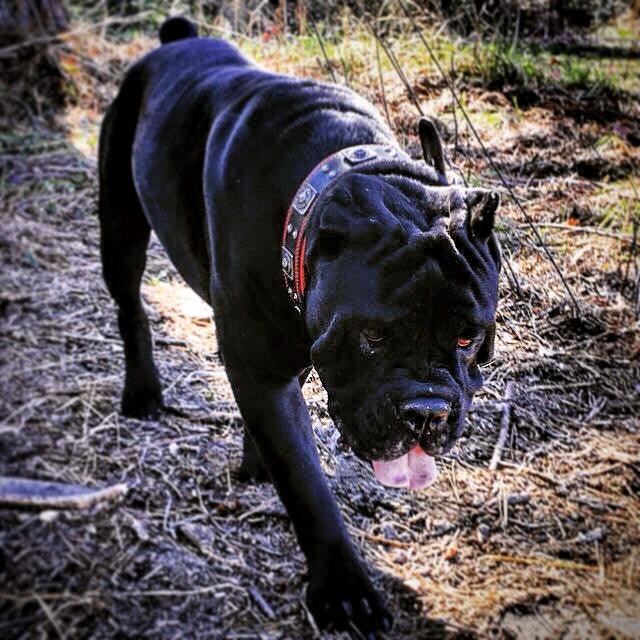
point(544, 546)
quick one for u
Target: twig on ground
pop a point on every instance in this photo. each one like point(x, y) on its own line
point(504, 425)
point(26, 492)
point(345, 72)
point(398, 69)
point(324, 52)
point(533, 472)
point(554, 563)
point(262, 604)
point(631, 255)
point(50, 616)
point(380, 539)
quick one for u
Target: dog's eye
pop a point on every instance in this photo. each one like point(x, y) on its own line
point(464, 342)
point(373, 335)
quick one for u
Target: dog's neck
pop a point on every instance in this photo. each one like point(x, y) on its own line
point(303, 204)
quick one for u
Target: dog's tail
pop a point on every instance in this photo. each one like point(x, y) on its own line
point(177, 28)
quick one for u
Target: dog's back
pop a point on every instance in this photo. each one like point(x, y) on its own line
point(161, 117)
point(197, 105)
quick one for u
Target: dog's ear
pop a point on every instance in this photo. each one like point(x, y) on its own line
point(332, 232)
point(335, 226)
point(343, 220)
point(432, 147)
point(485, 353)
point(482, 205)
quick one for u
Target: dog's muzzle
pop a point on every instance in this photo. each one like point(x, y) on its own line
point(428, 420)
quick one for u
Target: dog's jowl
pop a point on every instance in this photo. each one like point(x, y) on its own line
point(287, 204)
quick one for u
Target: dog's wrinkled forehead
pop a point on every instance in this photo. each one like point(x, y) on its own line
point(443, 202)
point(412, 203)
point(395, 243)
point(387, 249)
point(435, 237)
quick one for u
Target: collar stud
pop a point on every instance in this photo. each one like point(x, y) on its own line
point(293, 238)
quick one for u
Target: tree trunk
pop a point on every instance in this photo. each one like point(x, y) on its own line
point(22, 20)
point(29, 71)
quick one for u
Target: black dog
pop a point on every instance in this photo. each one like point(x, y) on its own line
point(371, 267)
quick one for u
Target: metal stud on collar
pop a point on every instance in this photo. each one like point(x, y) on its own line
point(356, 155)
point(287, 265)
point(304, 197)
point(293, 238)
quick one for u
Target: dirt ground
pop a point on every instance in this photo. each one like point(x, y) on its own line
point(546, 546)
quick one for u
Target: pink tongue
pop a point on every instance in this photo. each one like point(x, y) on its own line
point(414, 470)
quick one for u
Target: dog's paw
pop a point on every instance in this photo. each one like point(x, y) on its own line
point(342, 596)
point(142, 404)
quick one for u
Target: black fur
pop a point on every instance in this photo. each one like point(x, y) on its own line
point(208, 150)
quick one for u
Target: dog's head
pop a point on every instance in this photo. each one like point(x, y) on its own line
point(400, 305)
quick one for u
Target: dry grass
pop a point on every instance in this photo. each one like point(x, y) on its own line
point(546, 546)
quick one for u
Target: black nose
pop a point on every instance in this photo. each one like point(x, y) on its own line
point(427, 418)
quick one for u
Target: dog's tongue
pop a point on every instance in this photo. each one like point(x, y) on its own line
point(414, 470)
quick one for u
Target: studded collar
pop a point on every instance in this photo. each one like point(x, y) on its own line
point(303, 203)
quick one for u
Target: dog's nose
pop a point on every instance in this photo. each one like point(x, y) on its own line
point(427, 417)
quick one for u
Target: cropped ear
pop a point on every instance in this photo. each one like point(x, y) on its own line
point(336, 225)
point(482, 205)
point(485, 353)
point(331, 233)
point(432, 147)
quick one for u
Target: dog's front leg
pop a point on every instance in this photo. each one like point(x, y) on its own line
point(340, 591)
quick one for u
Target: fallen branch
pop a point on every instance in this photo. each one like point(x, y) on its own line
point(26, 492)
point(504, 425)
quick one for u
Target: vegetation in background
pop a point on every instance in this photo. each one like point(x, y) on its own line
point(546, 545)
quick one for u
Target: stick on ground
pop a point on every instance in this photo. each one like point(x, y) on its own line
point(504, 425)
point(26, 492)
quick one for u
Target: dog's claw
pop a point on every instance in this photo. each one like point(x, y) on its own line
point(345, 599)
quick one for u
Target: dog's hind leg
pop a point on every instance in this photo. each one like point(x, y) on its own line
point(251, 468)
point(124, 236)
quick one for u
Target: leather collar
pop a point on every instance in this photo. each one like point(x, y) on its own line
point(303, 203)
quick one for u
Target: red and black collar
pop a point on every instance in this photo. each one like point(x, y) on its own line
point(303, 203)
